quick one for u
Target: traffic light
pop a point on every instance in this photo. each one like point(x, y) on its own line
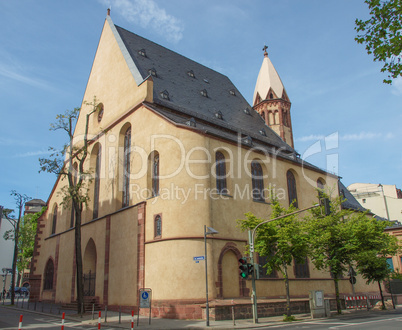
point(243, 268)
point(250, 269)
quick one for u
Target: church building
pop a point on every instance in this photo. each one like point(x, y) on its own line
point(175, 147)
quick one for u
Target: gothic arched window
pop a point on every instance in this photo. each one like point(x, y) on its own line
point(49, 273)
point(292, 190)
point(220, 173)
point(155, 174)
point(126, 168)
point(54, 219)
point(97, 182)
point(257, 181)
point(158, 226)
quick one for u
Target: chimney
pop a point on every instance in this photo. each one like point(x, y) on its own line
point(108, 12)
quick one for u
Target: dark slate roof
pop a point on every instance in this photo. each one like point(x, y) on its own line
point(350, 202)
point(184, 92)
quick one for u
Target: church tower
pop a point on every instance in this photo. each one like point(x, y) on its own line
point(271, 101)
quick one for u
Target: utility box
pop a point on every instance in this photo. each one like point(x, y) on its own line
point(317, 306)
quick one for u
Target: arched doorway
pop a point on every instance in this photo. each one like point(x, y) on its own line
point(230, 283)
point(89, 268)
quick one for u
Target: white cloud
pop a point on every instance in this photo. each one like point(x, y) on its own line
point(310, 138)
point(32, 153)
point(360, 136)
point(14, 74)
point(147, 14)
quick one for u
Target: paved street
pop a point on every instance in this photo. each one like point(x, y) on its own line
point(351, 319)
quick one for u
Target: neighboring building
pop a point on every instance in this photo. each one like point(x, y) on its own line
point(382, 200)
point(34, 206)
point(182, 149)
point(6, 255)
point(395, 262)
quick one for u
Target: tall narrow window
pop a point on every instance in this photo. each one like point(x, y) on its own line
point(257, 181)
point(220, 173)
point(301, 269)
point(49, 273)
point(54, 220)
point(97, 182)
point(155, 174)
point(292, 191)
point(262, 261)
point(126, 168)
point(320, 186)
point(158, 226)
point(390, 264)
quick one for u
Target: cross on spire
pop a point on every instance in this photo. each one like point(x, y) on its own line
point(265, 50)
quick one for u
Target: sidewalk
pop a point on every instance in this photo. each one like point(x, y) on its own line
point(157, 323)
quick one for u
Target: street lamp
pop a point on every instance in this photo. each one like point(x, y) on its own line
point(207, 231)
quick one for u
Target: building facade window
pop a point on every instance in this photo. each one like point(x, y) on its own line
point(301, 269)
point(155, 174)
point(390, 264)
point(49, 273)
point(292, 190)
point(126, 168)
point(257, 181)
point(262, 261)
point(97, 182)
point(54, 219)
point(221, 186)
point(158, 226)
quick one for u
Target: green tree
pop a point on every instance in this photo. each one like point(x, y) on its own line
point(330, 245)
point(14, 233)
point(26, 240)
point(381, 34)
point(282, 240)
point(68, 163)
point(372, 246)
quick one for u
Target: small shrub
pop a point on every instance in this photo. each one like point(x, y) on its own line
point(288, 318)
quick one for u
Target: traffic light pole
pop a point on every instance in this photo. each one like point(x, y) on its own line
point(253, 294)
point(251, 236)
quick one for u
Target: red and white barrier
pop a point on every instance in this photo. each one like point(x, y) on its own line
point(20, 324)
point(62, 321)
point(132, 320)
point(99, 320)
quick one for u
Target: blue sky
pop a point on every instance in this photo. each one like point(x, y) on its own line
point(336, 90)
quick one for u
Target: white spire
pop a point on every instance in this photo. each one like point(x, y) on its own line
point(268, 78)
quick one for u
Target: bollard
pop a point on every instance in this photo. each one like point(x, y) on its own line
point(93, 311)
point(99, 320)
point(132, 320)
point(17, 300)
point(22, 306)
point(119, 314)
point(105, 314)
point(20, 324)
point(62, 321)
point(42, 306)
point(35, 306)
point(82, 309)
point(51, 306)
point(233, 313)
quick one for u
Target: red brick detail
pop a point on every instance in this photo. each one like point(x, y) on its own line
point(230, 246)
point(36, 252)
point(141, 248)
point(106, 267)
point(35, 283)
point(175, 309)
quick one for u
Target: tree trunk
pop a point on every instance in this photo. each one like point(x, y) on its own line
point(14, 267)
point(382, 297)
point(78, 262)
point(288, 312)
point(338, 301)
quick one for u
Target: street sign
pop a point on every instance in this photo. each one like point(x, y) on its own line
point(145, 298)
point(197, 259)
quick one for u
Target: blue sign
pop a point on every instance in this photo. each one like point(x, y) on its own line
point(145, 295)
point(199, 258)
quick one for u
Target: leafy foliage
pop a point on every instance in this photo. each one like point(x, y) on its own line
point(27, 239)
point(282, 240)
point(381, 34)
